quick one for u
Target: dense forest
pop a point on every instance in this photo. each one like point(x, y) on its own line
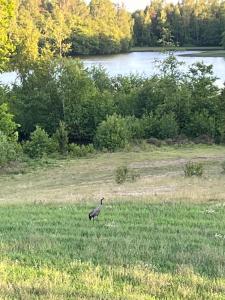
point(189, 22)
point(33, 29)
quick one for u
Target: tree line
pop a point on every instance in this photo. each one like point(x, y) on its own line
point(187, 23)
point(31, 30)
point(61, 106)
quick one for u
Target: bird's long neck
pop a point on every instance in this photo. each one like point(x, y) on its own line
point(101, 201)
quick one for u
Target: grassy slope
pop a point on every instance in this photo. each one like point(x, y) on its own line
point(153, 237)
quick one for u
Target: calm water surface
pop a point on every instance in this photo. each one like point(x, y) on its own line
point(139, 62)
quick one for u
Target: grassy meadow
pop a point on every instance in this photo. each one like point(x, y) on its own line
point(160, 237)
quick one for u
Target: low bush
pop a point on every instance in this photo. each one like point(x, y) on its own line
point(121, 174)
point(61, 137)
point(135, 128)
point(7, 124)
point(193, 169)
point(40, 144)
point(9, 150)
point(76, 151)
point(112, 134)
point(168, 127)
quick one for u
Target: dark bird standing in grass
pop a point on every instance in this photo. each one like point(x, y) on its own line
point(95, 212)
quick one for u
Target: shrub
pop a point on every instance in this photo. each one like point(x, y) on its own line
point(135, 127)
point(150, 126)
point(193, 169)
point(121, 174)
point(112, 134)
point(7, 125)
point(201, 124)
point(61, 137)
point(168, 127)
point(9, 150)
point(80, 151)
point(39, 145)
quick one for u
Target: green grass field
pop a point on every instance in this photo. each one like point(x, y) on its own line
point(161, 237)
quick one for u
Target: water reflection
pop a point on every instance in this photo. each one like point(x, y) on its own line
point(139, 62)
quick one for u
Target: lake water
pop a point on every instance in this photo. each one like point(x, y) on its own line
point(140, 62)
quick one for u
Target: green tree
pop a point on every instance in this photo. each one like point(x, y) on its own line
point(7, 125)
point(188, 22)
point(61, 137)
point(84, 105)
point(9, 150)
point(36, 101)
point(39, 144)
point(7, 14)
point(223, 40)
point(112, 134)
point(58, 29)
point(26, 38)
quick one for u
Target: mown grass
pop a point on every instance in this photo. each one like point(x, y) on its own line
point(161, 171)
point(162, 237)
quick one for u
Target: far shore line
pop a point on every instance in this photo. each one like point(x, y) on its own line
point(203, 51)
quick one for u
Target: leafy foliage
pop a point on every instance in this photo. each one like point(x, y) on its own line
point(10, 150)
point(61, 137)
point(39, 144)
point(111, 112)
point(7, 125)
point(7, 14)
point(36, 100)
point(33, 31)
point(168, 127)
point(84, 106)
point(112, 134)
point(185, 23)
